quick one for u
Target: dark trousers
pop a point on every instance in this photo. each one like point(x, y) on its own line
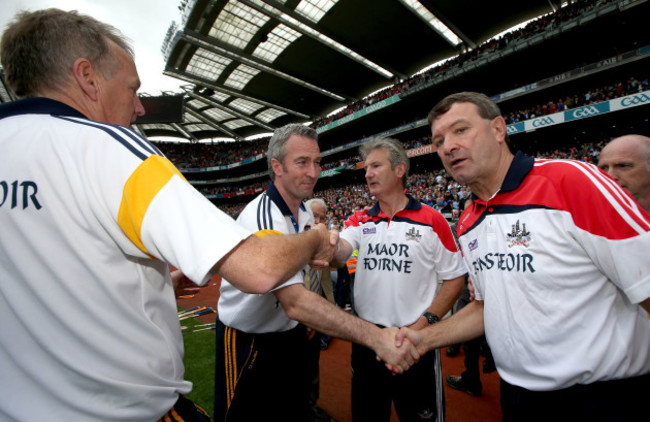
point(342, 287)
point(606, 401)
point(261, 377)
point(185, 411)
point(314, 368)
point(472, 374)
point(374, 389)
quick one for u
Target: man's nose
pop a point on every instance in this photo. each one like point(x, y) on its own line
point(139, 108)
point(315, 171)
point(448, 147)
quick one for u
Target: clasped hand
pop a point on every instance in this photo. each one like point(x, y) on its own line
point(398, 356)
point(327, 249)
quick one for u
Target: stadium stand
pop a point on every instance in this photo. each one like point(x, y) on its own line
point(583, 58)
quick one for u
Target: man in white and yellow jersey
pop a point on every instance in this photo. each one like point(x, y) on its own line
point(262, 339)
point(92, 216)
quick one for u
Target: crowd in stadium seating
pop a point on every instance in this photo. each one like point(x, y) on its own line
point(591, 96)
point(534, 27)
point(434, 188)
point(185, 155)
point(214, 154)
point(223, 153)
point(228, 188)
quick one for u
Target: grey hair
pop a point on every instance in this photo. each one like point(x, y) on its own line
point(278, 143)
point(487, 108)
point(396, 153)
point(38, 49)
point(318, 201)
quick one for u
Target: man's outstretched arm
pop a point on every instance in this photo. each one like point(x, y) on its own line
point(462, 326)
point(265, 260)
point(316, 312)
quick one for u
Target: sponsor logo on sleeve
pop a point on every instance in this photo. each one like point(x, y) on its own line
point(473, 245)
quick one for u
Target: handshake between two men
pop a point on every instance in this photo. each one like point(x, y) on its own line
point(397, 353)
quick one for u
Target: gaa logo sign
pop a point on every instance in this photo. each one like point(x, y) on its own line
point(635, 100)
point(544, 121)
point(516, 128)
point(585, 112)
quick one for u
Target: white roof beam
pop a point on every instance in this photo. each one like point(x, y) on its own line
point(306, 27)
point(231, 110)
point(217, 47)
point(199, 81)
point(209, 121)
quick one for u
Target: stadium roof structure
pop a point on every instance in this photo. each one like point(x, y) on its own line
point(254, 65)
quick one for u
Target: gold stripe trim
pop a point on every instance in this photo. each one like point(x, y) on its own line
point(139, 190)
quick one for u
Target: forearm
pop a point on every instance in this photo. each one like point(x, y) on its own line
point(343, 252)
point(259, 264)
point(447, 296)
point(449, 292)
point(317, 313)
point(464, 325)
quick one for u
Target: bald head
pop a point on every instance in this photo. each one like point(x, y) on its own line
point(627, 160)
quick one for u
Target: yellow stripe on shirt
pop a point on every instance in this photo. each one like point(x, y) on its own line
point(267, 232)
point(139, 190)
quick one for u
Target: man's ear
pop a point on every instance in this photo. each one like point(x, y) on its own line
point(499, 127)
point(276, 166)
point(400, 169)
point(86, 77)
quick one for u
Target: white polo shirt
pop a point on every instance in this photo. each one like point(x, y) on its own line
point(254, 313)
point(400, 261)
point(91, 215)
point(560, 258)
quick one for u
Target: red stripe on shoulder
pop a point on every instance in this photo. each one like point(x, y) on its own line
point(429, 216)
point(357, 218)
point(596, 202)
